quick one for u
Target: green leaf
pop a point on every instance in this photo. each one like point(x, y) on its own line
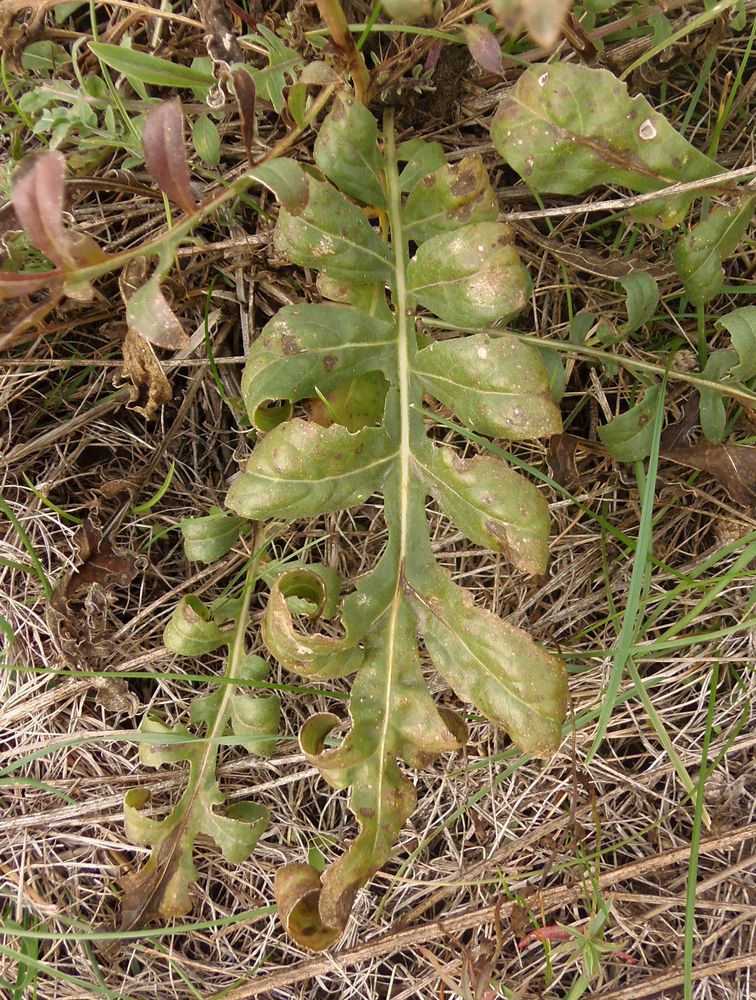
point(494, 665)
point(628, 437)
point(448, 199)
point(741, 325)
point(346, 150)
point(210, 537)
point(712, 410)
point(701, 252)
point(312, 347)
point(64, 10)
point(472, 277)
point(160, 890)
point(44, 57)
point(283, 64)
point(420, 159)
point(355, 404)
point(321, 228)
point(495, 385)
point(302, 470)
point(206, 140)
point(146, 68)
point(642, 299)
point(191, 631)
point(362, 359)
point(314, 655)
point(567, 128)
point(494, 506)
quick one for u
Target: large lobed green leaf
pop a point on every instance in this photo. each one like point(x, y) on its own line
point(466, 270)
point(567, 128)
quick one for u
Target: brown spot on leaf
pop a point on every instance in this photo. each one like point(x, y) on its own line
point(290, 344)
point(330, 361)
point(465, 183)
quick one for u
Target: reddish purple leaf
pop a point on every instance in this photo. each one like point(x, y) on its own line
point(38, 203)
point(14, 286)
point(244, 88)
point(484, 48)
point(149, 315)
point(165, 153)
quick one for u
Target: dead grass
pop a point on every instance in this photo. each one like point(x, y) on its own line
point(488, 824)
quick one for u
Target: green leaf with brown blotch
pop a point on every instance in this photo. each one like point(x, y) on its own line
point(448, 199)
point(628, 436)
point(321, 228)
point(492, 664)
point(494, 506)
point(469, 278)
point(497, 385)
point(566, 128)
point(161, 888)
point(307, 349)
point(346, 150)
point(393, 716)
point(301, 470)
point(467, 271)
point(420, 158)
point(315, 655)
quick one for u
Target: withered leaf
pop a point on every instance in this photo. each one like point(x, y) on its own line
point(165, 152)
point(484, 47)
point(149, 389)
point(101, 563)
point(77, 610)
point(734, 466)
point(144, 890)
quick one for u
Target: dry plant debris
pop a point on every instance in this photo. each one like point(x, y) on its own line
point(587, 856)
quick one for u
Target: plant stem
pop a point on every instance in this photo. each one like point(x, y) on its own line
point(333, 16)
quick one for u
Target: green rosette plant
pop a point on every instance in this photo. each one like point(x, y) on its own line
point(437, 247)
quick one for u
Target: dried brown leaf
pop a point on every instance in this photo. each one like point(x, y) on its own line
point(147, 894)
point(218, 23)
point(734, 466)
point(149, 389)
point(77, 609)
